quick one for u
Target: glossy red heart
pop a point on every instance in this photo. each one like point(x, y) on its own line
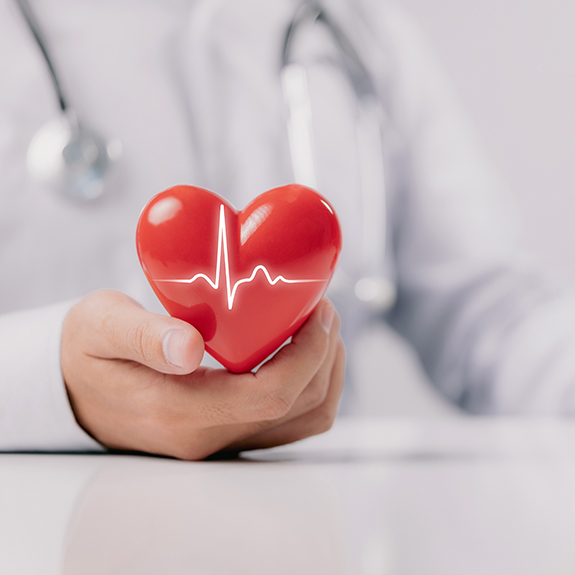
point(246, 280)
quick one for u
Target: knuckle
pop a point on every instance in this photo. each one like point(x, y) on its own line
point(273, 405)
point(315, 354)
point(321, 346)
point(110, 296)
point(86, 318)
point(277, 407)
point(139, 342)
point(324, 421)
point(316, 393)
point(103, 299)
point(336, 322)
point(316, 344)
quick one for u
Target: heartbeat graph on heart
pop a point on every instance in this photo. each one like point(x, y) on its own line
point(231, 290)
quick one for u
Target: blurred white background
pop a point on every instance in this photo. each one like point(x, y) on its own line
point(512, 63)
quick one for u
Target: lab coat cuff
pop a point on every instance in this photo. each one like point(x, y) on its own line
point(35, 412)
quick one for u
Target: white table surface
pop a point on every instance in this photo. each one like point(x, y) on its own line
point(463, 496)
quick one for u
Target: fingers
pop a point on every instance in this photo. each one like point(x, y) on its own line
point(314, 422)
point(316, 391)
point(264, 434)
point(219, 397)
point(288, 373)
point(313, 412)
point(113, 326)
point(126, 405)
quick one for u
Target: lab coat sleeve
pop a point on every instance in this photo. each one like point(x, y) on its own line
point(35, 413)
point(495, 333)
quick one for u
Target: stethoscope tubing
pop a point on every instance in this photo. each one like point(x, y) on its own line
point(95, 159)
point(373, 288)
point(35, 30)
point(65, 154)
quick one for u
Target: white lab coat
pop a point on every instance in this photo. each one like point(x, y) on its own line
point(191, 88)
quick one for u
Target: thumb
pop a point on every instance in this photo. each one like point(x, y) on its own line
point(120, 328)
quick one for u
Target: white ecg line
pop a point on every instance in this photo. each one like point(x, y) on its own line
point(231, 290)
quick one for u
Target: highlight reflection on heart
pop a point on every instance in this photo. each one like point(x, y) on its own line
point(246, 280)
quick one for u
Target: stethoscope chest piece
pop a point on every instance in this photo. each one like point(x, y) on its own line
point(71, 159)
point(65, 154)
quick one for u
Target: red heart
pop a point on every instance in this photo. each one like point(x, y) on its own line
point(275, 259)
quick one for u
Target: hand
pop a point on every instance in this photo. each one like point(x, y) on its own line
point(134, 382)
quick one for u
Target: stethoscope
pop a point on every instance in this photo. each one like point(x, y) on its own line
point(76, 161)
point(373, 288)
point(65, 154)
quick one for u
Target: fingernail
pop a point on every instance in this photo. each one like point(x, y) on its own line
point(327, 314)
point(173, 347)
